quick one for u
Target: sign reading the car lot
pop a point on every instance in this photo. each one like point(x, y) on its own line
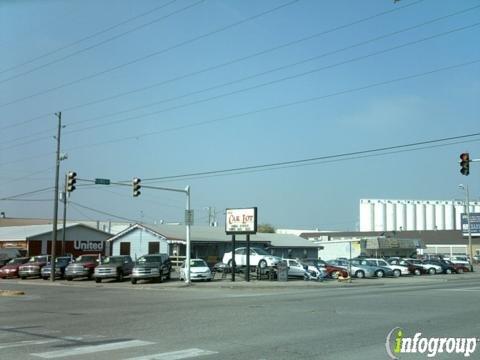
point(241, 221)
point(474, 224)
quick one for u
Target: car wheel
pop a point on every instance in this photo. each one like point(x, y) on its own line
point(417, 272)
point(209, 279)
point(69, 278)
point(168, 276)
point(98, 280)
point(262, 264)
point(360, 274)
point(133, 281)
point(160, 278)
point(397, 273)
point(432, 271)
point(379, 274)
point(23, 277)
point(335, 274)
point(460, 271)
point(448, 271)
point(45, 278)
point(120, 276)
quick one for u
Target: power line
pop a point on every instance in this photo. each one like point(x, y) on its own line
point(103, 42)
point(235, 92)
point(261, 74)
point(231, 62)
point(261, 110)
point(317, 158)
point(101, 212)
point(28, 193)
point(277, 107)
point(156, 53)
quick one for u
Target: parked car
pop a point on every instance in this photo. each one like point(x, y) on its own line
point(61, 264)
point(295, 268)
point(459, 268)
point(397, 269)
point(151, 267)
point(82, 266)
point(199, 270)
point(114, 267)
point(414, 269)
point(258, 257)
point(7, 254)
point(33, 267)
point(447, 267)
point(460, 259)
point(432, 269)
point(379, 271)
point(332, 271)
point(358, 271)
point(10, 270)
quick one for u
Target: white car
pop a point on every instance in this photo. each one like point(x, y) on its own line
point(295, 268)
point(397, 269)
point(199, 270)
point(460, 259)
point(258, 257)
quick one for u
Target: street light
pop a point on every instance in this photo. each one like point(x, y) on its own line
point(467, 204)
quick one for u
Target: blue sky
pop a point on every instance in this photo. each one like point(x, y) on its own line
point(153, 89)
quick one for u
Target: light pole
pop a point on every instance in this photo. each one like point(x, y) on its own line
point(467, 204)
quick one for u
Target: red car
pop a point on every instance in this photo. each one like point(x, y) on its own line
point(333, 271)
point(11, 268)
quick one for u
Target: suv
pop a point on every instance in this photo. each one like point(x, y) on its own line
point(114, 267)
point(83, 266)
point(154, 266)
point(33, 266)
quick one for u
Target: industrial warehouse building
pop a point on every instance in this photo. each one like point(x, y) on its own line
point(413, 215)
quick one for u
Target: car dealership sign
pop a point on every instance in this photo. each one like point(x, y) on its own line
point(474, 224)
point(241, 221)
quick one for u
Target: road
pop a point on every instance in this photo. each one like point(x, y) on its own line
point(220, 320)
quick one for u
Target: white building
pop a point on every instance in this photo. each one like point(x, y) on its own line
point(420, 215)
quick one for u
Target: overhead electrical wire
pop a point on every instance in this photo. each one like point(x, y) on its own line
point(103, 42)
point(334, 157)
point(88, 37)
point(151, 55)
point(255, 76)
point(261, 110)
point(276, 81)
point(234, 61)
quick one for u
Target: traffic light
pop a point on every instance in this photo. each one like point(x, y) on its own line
point(465, 164)
point(71, 180)
point(136, 186)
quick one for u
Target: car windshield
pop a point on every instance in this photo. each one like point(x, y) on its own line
point(62, 260)
point(149, 259)
point(38, 259)
point(260, 251)
point(197, 263)
point(16, 261)
point(114, 260)
point(86, 258)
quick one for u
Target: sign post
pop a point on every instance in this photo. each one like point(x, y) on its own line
point(241, 221)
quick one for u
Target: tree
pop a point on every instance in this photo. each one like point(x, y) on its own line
point(265, 228)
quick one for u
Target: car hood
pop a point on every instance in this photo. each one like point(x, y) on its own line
point(33, 264)
point(108, 266)
point(11, 266)
point(199, 269)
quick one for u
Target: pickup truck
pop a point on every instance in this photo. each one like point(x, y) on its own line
point(33, 267)
point(114, 267)
point(151, 267)
point(83, 266)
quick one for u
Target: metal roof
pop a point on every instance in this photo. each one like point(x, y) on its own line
point(217, 234)
point(23, 233)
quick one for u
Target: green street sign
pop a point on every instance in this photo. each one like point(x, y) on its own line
point(102, 181)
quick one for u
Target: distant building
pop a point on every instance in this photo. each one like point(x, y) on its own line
point(412, 215)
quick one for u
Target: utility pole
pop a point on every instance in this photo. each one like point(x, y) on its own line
point(55, 204)
point(467, 205)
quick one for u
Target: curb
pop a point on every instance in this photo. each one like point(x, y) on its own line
point(11, 293)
